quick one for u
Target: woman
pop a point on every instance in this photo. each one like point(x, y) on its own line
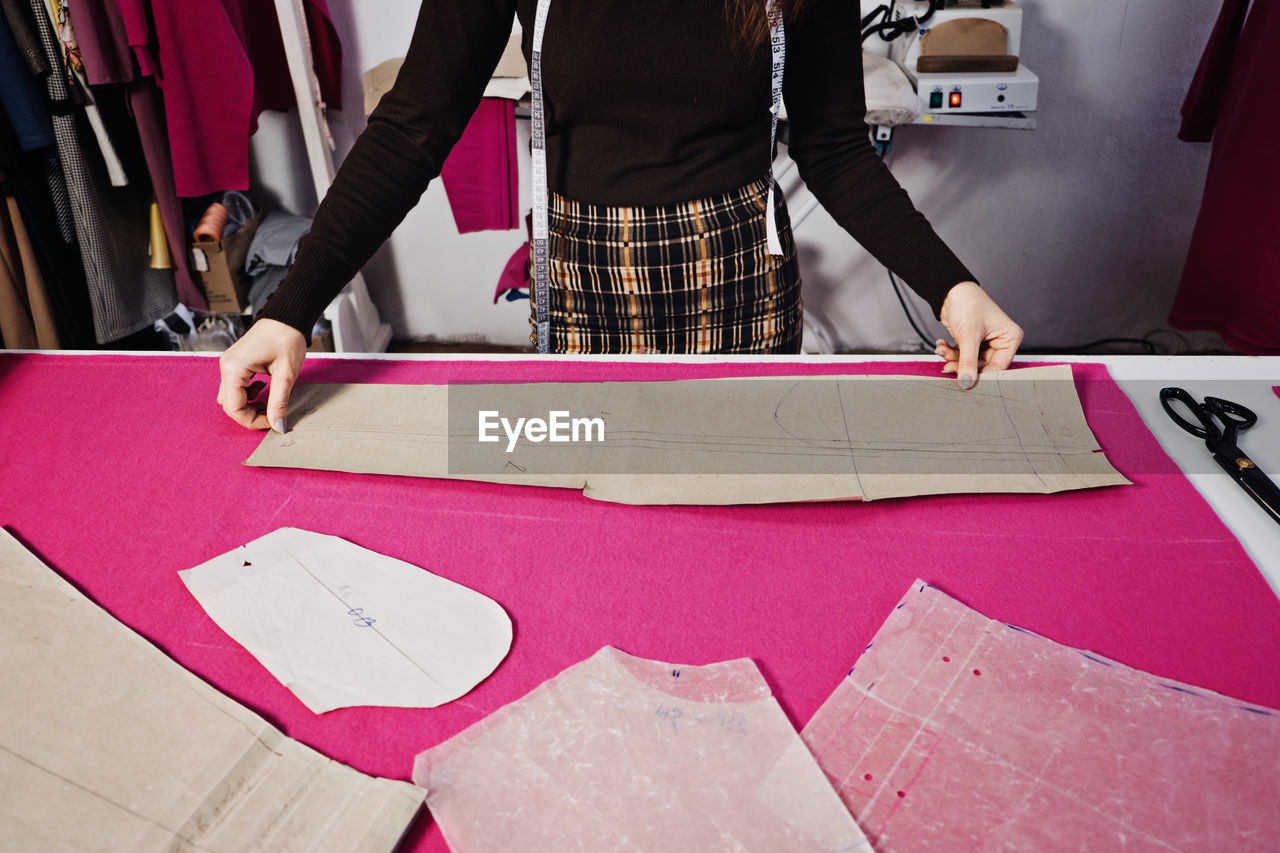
point(658, 149)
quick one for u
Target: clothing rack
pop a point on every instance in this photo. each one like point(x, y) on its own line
point(352, 315)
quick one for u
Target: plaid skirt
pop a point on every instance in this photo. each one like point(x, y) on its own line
point(688, 278)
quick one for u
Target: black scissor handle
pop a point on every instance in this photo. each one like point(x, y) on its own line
point(1235, 417)
point(1205, 429)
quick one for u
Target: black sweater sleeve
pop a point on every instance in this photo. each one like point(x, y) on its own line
point(826, 108)
point(453, 51)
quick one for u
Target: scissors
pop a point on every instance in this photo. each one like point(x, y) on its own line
point(1235, 419)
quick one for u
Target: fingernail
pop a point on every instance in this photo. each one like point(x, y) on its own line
point(966, 382)
point(279, 426)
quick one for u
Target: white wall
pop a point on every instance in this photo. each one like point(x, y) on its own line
point(1079, 227)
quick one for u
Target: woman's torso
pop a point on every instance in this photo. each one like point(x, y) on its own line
point(649, 102)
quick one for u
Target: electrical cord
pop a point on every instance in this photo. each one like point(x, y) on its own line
point(880, 22)
point(1146, 345)
point(902, 300)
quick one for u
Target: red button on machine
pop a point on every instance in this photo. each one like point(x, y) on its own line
point(955, 99)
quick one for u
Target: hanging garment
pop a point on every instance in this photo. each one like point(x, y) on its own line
point(481, 176)
point(35, 178)
point(112, 227)
point(219, 64)
point(80, 85)
point(25, 107)
point(26, 317)
point(22, 101)
point(17, 15)
point(515, 275)
point(104, 43)
point(1231, 281)
point(108, 58)
point(148, 111)
point(59, 195)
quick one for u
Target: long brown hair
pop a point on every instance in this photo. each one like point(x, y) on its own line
point(749, 20)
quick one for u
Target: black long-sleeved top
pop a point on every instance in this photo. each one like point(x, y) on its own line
point(648, 102)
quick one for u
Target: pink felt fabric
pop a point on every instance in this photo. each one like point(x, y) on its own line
point(955, 731)
point(119, 471)
point(480, 176)
point(515, 275)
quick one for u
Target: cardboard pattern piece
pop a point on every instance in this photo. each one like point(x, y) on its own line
point(621, 753)
point(718, 441)
point(340, 625)
point(954, 731)
point(107, 744)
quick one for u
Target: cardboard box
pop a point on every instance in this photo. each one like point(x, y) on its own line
point(220, 274)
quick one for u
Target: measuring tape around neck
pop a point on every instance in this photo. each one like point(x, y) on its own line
point(778, 49)
point(539, 246)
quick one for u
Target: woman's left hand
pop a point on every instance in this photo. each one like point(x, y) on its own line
point(982, 336)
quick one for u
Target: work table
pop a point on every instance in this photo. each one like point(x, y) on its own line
point(119, 470)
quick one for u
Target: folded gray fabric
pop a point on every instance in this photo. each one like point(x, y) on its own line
point(271, 254)
point(276, 242)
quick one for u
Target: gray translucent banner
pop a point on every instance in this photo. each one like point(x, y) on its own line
point(861, 427)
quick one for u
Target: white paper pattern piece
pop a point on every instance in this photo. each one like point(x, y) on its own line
point(340, 625)
point(106, 744)
point(622, 753)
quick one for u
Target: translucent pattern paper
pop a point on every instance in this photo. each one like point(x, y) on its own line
point(621, 753)
point(954, 732)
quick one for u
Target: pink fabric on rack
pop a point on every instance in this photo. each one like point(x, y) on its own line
point(220, 63)
point(134, 15)
point(119, 471)
point(481, 176)
point(104, 42)
point(515, 275)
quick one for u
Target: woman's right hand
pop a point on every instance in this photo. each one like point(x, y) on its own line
point(269, 347)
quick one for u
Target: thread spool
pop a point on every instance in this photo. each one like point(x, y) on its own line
point(212, 225)
point(161, 258)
